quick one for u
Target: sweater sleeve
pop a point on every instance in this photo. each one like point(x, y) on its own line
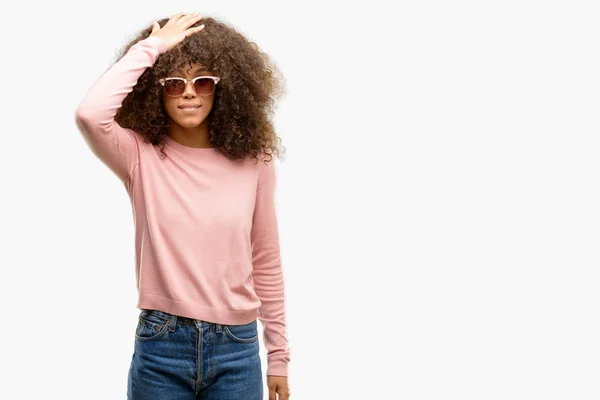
point(267, 272)
point(115, 146)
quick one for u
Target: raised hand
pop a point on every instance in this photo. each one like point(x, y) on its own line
point(176, 29)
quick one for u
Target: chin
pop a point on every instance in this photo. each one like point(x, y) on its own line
point(190, 122)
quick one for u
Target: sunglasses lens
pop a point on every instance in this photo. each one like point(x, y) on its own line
point(204, 86)
point(174, 87)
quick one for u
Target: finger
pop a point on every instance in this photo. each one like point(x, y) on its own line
point(195, 20)
point(190, 19)
point(272, 393)
point(155, 27)
point(196, 30)
point(184, 18)
point(176, 17)
point(191, 31)
point(284, 393)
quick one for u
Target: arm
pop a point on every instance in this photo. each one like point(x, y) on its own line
point(267, 272)
point(115, 146)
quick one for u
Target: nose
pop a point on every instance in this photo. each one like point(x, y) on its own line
point(189, 90)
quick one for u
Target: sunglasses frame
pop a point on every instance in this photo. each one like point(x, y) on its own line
point(162, 81)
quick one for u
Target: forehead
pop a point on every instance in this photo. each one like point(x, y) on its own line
point(195, 69)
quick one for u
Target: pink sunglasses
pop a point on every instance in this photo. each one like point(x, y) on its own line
point(203, 85)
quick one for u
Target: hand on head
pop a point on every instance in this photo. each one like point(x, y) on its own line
point(177, 28)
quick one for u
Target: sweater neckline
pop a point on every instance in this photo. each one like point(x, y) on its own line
point(189, 149)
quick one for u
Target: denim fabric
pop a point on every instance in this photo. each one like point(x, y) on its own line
point(182, 358)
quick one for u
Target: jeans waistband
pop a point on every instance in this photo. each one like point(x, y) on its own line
point(178, 319)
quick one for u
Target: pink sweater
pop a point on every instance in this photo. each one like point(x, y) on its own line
point(206, 235)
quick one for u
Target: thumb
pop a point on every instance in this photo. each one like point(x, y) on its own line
point(155, 27)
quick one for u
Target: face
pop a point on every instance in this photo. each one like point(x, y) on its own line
point(186, 117)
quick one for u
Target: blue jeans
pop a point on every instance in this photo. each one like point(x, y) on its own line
point(183, 358)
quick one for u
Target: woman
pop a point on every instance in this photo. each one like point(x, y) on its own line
point(182, 118)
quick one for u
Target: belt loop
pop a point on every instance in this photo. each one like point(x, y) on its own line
point(173, 322)
point(219, 328)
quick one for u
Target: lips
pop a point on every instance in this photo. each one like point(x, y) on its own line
point(189, 107)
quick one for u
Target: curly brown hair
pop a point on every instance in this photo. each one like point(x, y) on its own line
point(245, 98)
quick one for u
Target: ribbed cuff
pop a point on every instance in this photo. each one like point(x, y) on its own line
point(278, 368)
